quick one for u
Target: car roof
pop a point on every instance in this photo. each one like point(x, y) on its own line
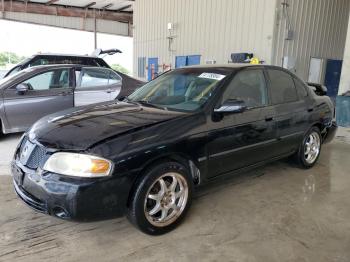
point(70, 55)
point(41, 67)
point(239, 66)
point(65, 65)
point(233, 65)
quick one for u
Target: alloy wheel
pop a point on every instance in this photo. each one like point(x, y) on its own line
point(312, 147)
point(166, 199)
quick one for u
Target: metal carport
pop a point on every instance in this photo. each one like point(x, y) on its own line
point(101, 16)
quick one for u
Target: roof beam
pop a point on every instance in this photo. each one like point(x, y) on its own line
point(90, 5)
point(123, 8)
point(58, 10)
point(107, 6)
point(50, 2)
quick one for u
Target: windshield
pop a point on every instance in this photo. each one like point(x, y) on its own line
point(17, 68)
point(11, 77)
point(182, 89)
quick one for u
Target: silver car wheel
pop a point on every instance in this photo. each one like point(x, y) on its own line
point(166, 199)
point(312, 147)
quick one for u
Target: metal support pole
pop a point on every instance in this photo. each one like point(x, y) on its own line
point(3, 9)
point(95, 29)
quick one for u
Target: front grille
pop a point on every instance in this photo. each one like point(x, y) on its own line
point(36, 157)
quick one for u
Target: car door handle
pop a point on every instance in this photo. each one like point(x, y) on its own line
point(268, 118)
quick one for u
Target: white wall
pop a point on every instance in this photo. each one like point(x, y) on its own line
point(216, 28)
point(320, 28)
point(211, 28)
point(345, 74)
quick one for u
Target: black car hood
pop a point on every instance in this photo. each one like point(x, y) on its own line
point(80, 128)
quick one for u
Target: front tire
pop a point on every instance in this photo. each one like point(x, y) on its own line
point(161, 199)
point(310, 149)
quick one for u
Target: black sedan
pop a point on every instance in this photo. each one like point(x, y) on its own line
point(145, 156)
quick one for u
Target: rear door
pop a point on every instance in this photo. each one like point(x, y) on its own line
point(50, 91)
point(291, 112)
point(96, 85)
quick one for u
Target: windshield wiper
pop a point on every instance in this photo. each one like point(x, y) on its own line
point(146, 103)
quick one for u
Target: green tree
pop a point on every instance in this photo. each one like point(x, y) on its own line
point(120, 68)
point(10, 58)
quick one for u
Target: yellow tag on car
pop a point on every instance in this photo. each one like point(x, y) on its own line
point(255, 61)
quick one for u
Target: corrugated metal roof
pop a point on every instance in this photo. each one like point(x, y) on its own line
point(111, 5)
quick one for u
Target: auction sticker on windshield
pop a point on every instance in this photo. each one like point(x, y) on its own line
point(213, 76)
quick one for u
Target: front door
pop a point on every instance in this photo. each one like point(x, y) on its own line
point(49, 92)
point(246, 138)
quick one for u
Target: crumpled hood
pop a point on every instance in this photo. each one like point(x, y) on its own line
point(80, 128)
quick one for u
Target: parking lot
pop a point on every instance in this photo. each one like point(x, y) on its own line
point(278, 211)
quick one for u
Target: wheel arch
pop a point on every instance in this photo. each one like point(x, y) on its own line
point(177, 157)
point(321, 127)
point(318, 125)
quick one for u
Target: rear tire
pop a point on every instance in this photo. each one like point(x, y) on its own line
point(310, 149)
point(161, 199)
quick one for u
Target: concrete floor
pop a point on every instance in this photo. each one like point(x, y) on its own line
point(276, 213)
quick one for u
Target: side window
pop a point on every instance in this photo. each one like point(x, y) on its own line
point(52, 79)
point(114, 78)
point(248, 86)
point(94, 77)
point(40, 61)
point(301, 88)
point(282, 87)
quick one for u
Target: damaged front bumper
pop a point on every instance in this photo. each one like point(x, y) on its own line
point(71, 198)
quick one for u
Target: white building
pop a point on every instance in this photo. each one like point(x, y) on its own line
point(306, 36)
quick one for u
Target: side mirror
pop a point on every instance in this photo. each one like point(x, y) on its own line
point(22, 88)
point(231, 107)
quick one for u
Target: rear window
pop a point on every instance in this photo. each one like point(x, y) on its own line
point(101, 62)
point(282, 87)
point(48, 60)
point(301, 88)
point(76, 60)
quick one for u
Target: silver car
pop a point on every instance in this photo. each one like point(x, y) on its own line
point(38, 91)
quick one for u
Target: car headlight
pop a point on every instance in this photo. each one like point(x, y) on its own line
point(81, 165)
